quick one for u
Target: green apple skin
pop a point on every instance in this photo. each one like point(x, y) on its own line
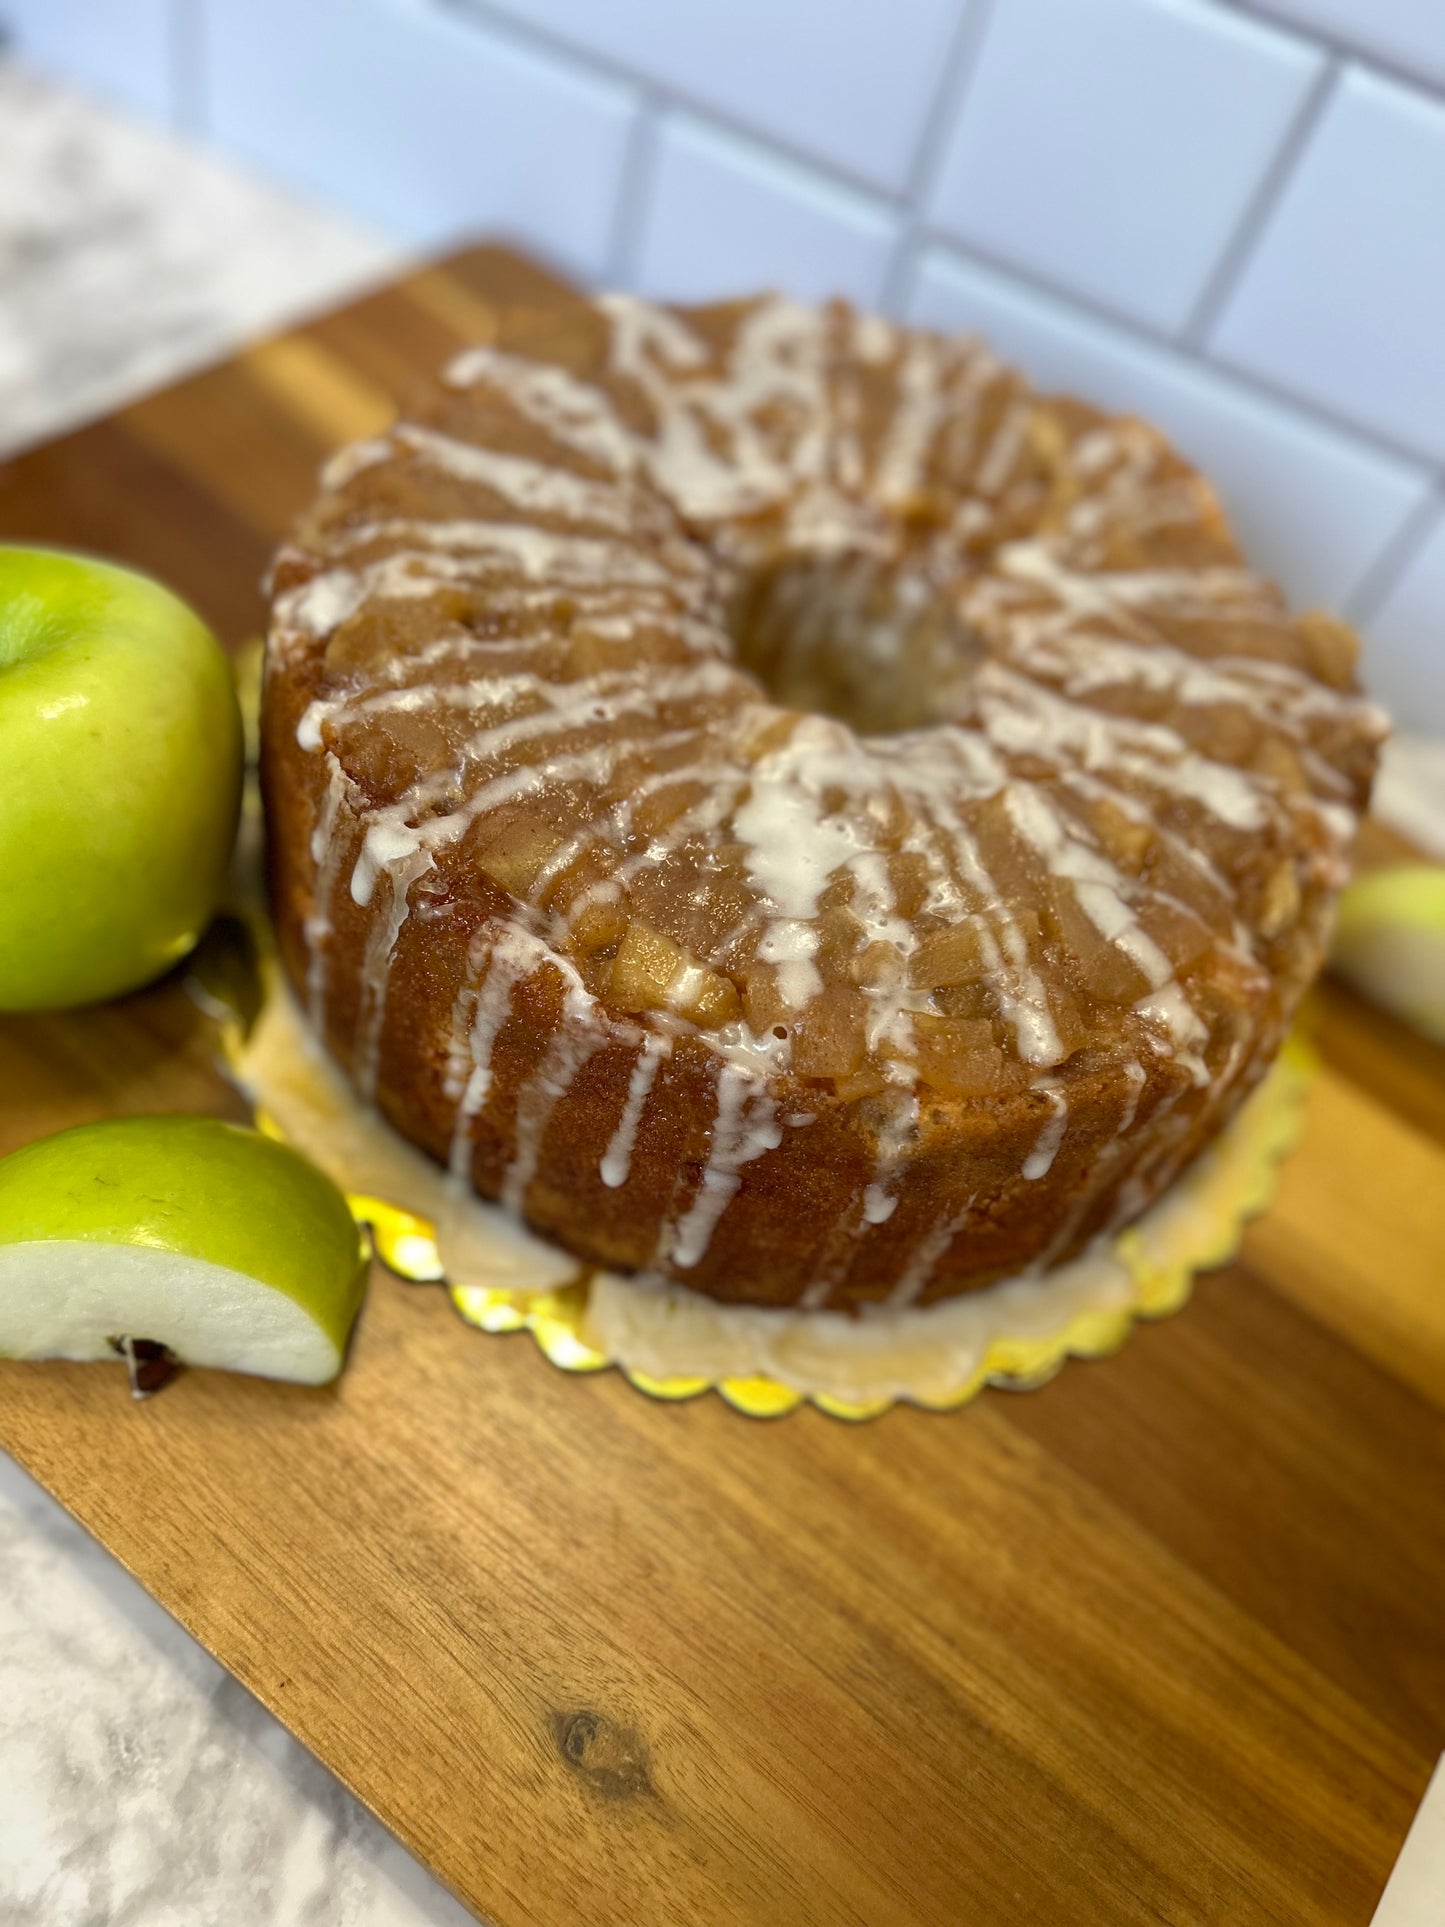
point(120, 779)
point(1390, 943)
point(191, 1188)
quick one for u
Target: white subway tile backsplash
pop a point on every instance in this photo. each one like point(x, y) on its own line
point(1113, 146)
point(1407, 636)
point(434, 128)
point(120, 49)
point(723, 216)
point(1343, 300)
point(1312, 507)
point(1404, 33)
point(848, 80)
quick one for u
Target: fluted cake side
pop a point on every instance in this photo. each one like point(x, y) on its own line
point(787, 808)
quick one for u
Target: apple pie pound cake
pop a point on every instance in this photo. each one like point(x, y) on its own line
point(789, 810)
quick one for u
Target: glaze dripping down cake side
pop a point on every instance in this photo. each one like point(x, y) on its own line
point(788, 809)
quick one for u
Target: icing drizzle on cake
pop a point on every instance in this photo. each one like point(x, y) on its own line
point(1112, 782)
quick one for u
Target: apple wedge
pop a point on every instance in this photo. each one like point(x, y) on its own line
point(220, 1245)
point(1390, 943)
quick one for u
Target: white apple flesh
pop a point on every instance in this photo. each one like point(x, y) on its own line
point(221, 1245)
point(120, 779)
point(64, 1299)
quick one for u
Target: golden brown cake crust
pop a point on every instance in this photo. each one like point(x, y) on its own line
point(591, 878)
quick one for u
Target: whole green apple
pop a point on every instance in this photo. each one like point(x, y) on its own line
point(120, 778)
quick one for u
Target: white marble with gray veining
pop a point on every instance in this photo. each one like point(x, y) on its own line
point(140, 1785)
point(127, 259)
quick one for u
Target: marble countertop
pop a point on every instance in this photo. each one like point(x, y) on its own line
point(140, 1785)
point(127, 259)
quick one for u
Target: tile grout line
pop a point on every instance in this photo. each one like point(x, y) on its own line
point(1348, 53)
point(900, 200)
point(1363, 602)
point(916, 235)
point(635, 191)
point(187, 49)
point(1238, 250)
point(1032, 281)
point(959, 67)
point(1139, 334)
point(599, 67)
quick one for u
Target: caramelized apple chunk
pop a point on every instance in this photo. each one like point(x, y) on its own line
point(829, 1039)
point(513, 846)
point(651, 972)
point(953, 956)
point(958, 1057)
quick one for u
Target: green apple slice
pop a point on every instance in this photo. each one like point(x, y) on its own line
point(221, 1245)
point(1390, 943)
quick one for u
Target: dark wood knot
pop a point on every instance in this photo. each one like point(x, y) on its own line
point(611, 1759)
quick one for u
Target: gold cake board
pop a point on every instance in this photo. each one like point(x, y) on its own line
point(674, 1344)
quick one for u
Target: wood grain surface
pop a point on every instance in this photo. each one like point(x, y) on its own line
point(1164, 1641)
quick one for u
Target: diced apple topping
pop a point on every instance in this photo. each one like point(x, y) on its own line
point(879, 966)
point(1069, 1019)
point(1127, 838)
point(829, 1039)
point(1333, 648)
point(1274, 758)
point(870, 1081)
point(1224, 731)
point(1046, 436)
point(909, 875)
point(651, 972)
point(764, 1005)
point(976, 999)
point(1280, 904)
point(953, 956)
point(600, 922)
point(654, 814)
point(1179, 933)
point(1101, 967)
point(959, 1058)
point(515, 848)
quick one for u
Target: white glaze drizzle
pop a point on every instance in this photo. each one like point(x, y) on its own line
point(578, 1038)
point(377, 960)
point(1137, 1079)
point(1040, 1160)
point(744, 1126)
point(325, 855)
point(878, 1205)
point(512, 957)
point(616, 1164)
point(925, 1258)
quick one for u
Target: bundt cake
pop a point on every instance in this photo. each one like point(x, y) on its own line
point(787, 808)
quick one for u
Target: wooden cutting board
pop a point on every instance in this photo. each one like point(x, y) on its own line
point(1164, 1641)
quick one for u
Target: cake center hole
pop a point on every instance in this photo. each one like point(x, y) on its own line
point(883, 652)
